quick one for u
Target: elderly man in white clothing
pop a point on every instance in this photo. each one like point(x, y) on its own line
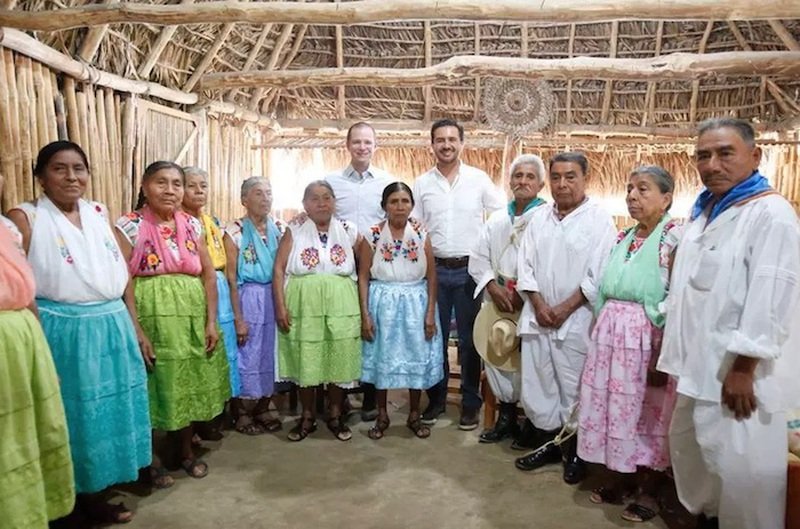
point(358, 189)
point(493, 267)
point(452, 200)
point(732, 337)
point(560, 259)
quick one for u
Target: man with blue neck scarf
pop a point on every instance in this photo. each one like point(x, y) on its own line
point(493, 267)
point(732, 337)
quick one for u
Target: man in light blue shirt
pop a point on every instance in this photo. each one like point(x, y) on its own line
point(358, 189)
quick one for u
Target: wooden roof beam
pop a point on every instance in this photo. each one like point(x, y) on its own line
point(253, 55)
point(786, 37)
point(610, 84)
point(158, 47)
point(274, 56)
point(571, 49)
point(208, 58)
point(650, 95)
point(772, 88)
point(298, 41)
point(674, 66)
point(340, 95)
point(366, 11)
point(696, 84)
point(427, 90)
point(92, 39)
point(476, 107)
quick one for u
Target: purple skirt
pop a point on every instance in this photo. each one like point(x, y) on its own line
point(257, 356)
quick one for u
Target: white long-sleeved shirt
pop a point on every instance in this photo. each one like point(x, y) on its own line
point(497, 248)
point(358, 196)
point(736, 291)
point(557, 257)
point(454, 214)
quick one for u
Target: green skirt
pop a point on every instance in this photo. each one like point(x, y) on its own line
point(36, 480)
point(323, 344)
point(186, 384)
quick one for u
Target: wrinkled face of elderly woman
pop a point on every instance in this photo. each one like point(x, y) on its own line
point(164, 190)
point(258, 200)
point(65, 176)
point(525, 182)
point(319, 204)
point(195, 192)
point(398, 207)
point(645, 199)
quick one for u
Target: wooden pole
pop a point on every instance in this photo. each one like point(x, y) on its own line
point(7, 147)
point(367, 11)
point(673, 66)
point(128, 139)
point(14, 117)
point(27, 45)
point(209, 57)
point(27, 126)
point(91, 41)
point(696, 83)
point(158, 47)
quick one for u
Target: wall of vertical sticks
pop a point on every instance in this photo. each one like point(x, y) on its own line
point(121, 135)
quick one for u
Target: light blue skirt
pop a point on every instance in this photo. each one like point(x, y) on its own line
point(104, 389)
point(225, 317)
point(400, 356)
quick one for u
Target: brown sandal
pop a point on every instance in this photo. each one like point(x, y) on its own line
point(419, 429)
point(269, 424)
point(304, 427)
point(376, 432)
point(246, 425)
point(106, 513)
point(159, 477)
point(195, 467)
point(339, 429)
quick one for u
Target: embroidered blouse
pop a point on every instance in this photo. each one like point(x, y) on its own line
point(398, 260)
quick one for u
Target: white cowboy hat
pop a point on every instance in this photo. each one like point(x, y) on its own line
point(495, 337)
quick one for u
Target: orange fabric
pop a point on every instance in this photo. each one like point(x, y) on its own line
point(17, 287)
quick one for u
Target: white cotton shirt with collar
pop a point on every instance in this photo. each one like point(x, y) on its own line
point(498, 246)
point(455, 214)
point(358, 196)
point(735, 290)
point(557, 257)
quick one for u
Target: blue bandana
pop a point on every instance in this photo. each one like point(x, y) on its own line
point(752, 186)
point(512, 207)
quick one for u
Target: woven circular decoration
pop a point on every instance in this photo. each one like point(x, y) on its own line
point(516, 106)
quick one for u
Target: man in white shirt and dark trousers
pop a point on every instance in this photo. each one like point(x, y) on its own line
point(560, 265)
point(453, 199)
point(358, 188)
point(732, 337)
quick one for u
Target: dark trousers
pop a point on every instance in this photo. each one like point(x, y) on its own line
point(456, 290)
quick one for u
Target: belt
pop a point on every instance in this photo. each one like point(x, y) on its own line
point(452, 262)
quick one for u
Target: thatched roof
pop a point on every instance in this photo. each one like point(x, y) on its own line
point(125, 48)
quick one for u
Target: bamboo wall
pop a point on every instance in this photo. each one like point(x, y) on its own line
point(121, 135)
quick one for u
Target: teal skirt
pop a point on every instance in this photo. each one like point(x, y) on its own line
point(104, 389)
point(323, 344)
point(36, 480)
point(187, 384)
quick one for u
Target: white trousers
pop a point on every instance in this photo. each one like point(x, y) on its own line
point(551, 371)
point(505, 384)
point(735, 470)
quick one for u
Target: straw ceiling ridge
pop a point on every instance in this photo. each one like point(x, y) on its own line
point(125, 48)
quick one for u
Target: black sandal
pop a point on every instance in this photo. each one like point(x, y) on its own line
point(376, 432)
point(305, 426)
point(610, 495)
point(339, 429)
point(246, 425)
point(637, 513)
point(195, 467)
point(419, 429)
point(107, 513)
point(265, 421)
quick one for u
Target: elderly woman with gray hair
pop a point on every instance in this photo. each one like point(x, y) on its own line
point(625, 404)
point(317, 308)
point(195, 198)
point(251, 244)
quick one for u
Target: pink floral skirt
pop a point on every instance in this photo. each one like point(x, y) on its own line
point(623, 422)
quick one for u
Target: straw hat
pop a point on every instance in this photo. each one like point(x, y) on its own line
point(495, 337)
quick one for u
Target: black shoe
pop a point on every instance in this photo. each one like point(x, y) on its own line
point(528, 438)
point(469, 420)
point(574, 466)
point(538, 458)
point(505, 427)
point(431, 414)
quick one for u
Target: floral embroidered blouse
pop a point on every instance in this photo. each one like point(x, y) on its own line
point(398, 260)
point(322, 253)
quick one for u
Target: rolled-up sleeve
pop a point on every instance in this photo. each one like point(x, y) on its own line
point(773, 292)
point(604, 237)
